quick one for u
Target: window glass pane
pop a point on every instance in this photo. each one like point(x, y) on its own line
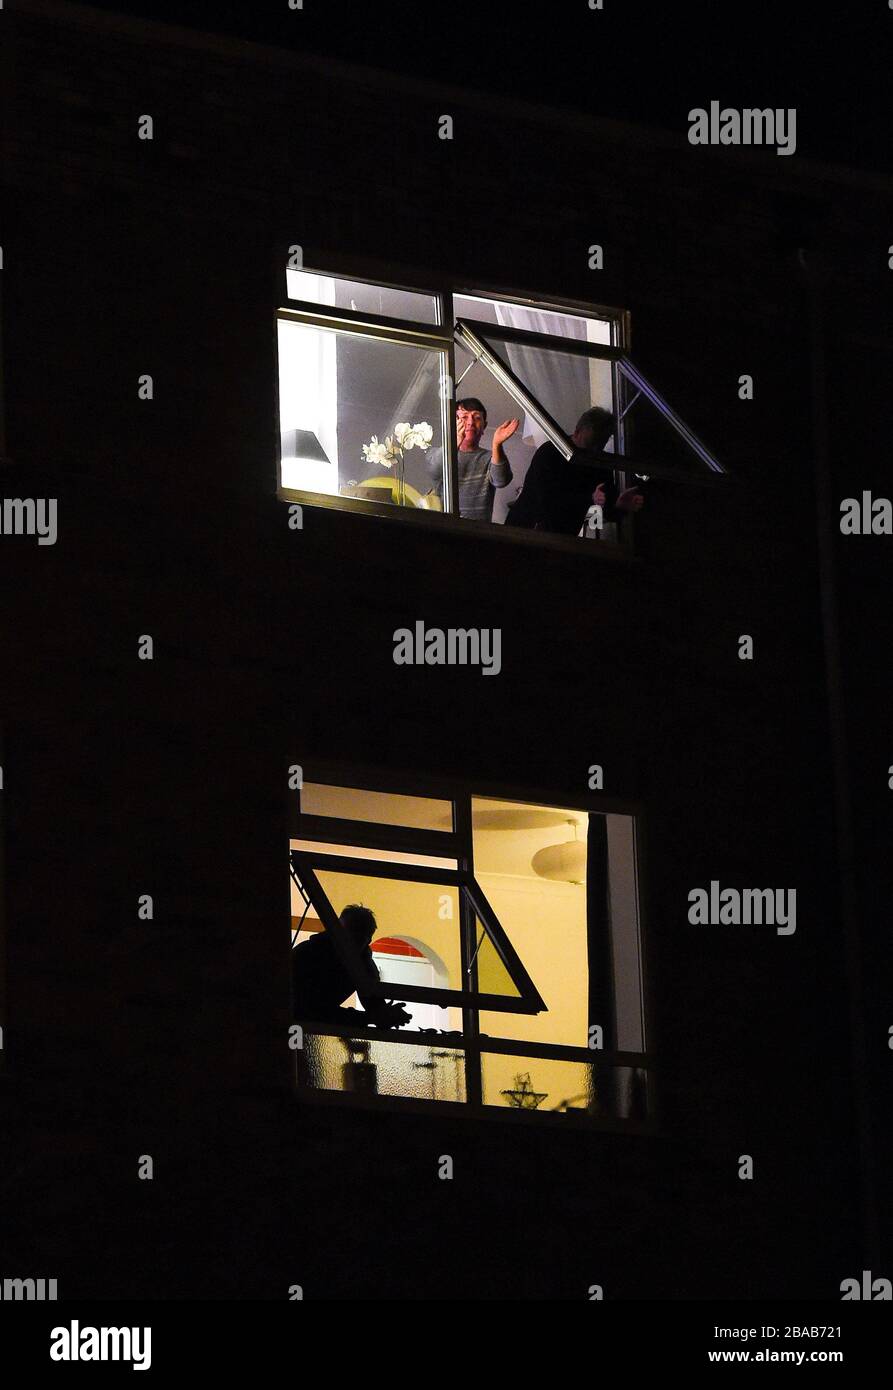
point(530, 862)
point(492, 975)
point(532, 318)
point(545, 1083)
point(381, 808)
point(380, 300)
point(650, 436)
point(534, 1083)
point(578, 941)
point(424, 1071)
point(341, 391)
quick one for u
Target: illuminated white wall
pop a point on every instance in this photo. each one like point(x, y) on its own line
point(308, 398)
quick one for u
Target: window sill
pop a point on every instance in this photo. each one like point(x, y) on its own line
point(447, 524)
point(471, 1108)
point(453, 1110)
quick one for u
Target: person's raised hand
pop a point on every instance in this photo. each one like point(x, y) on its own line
point(631, 500)
point(504, 432)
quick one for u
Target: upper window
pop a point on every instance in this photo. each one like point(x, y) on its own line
point(470, 949)
point(507, 412)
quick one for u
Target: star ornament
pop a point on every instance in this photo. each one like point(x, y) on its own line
point(524, 1097)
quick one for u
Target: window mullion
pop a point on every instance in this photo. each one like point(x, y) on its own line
point(470, 1021)
point(450, 459)
point(448, 412)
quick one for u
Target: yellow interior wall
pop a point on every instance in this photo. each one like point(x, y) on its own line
point(546, 924)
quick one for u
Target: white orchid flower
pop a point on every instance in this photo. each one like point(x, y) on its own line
point(378, 453)
point(391, 450)
point(417, 436)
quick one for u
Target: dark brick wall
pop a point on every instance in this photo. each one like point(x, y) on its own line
point(124, 777)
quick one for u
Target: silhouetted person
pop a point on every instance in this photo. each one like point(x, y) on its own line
point(558, 492)
point(321, 981)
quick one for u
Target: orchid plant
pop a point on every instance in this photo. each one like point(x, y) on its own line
point(392, 450)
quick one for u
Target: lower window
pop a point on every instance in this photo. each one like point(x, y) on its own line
point(468, 950)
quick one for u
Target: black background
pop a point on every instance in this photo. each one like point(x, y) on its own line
point(635, 60)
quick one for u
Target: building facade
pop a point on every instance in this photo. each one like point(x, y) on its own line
point(237, 698)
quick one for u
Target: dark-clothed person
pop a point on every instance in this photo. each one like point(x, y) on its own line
point(321, 982)
point(558, 492)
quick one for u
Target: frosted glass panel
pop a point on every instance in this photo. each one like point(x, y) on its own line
point(424, 1071)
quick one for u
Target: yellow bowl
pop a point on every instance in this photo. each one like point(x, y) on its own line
point(402, 494)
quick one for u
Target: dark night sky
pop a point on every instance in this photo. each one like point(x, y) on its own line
point(647, 61)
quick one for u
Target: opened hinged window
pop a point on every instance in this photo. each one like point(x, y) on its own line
point(556, 381)
point(444, 910)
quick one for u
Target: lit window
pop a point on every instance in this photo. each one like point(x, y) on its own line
point(501, 963)
point(439, 404)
